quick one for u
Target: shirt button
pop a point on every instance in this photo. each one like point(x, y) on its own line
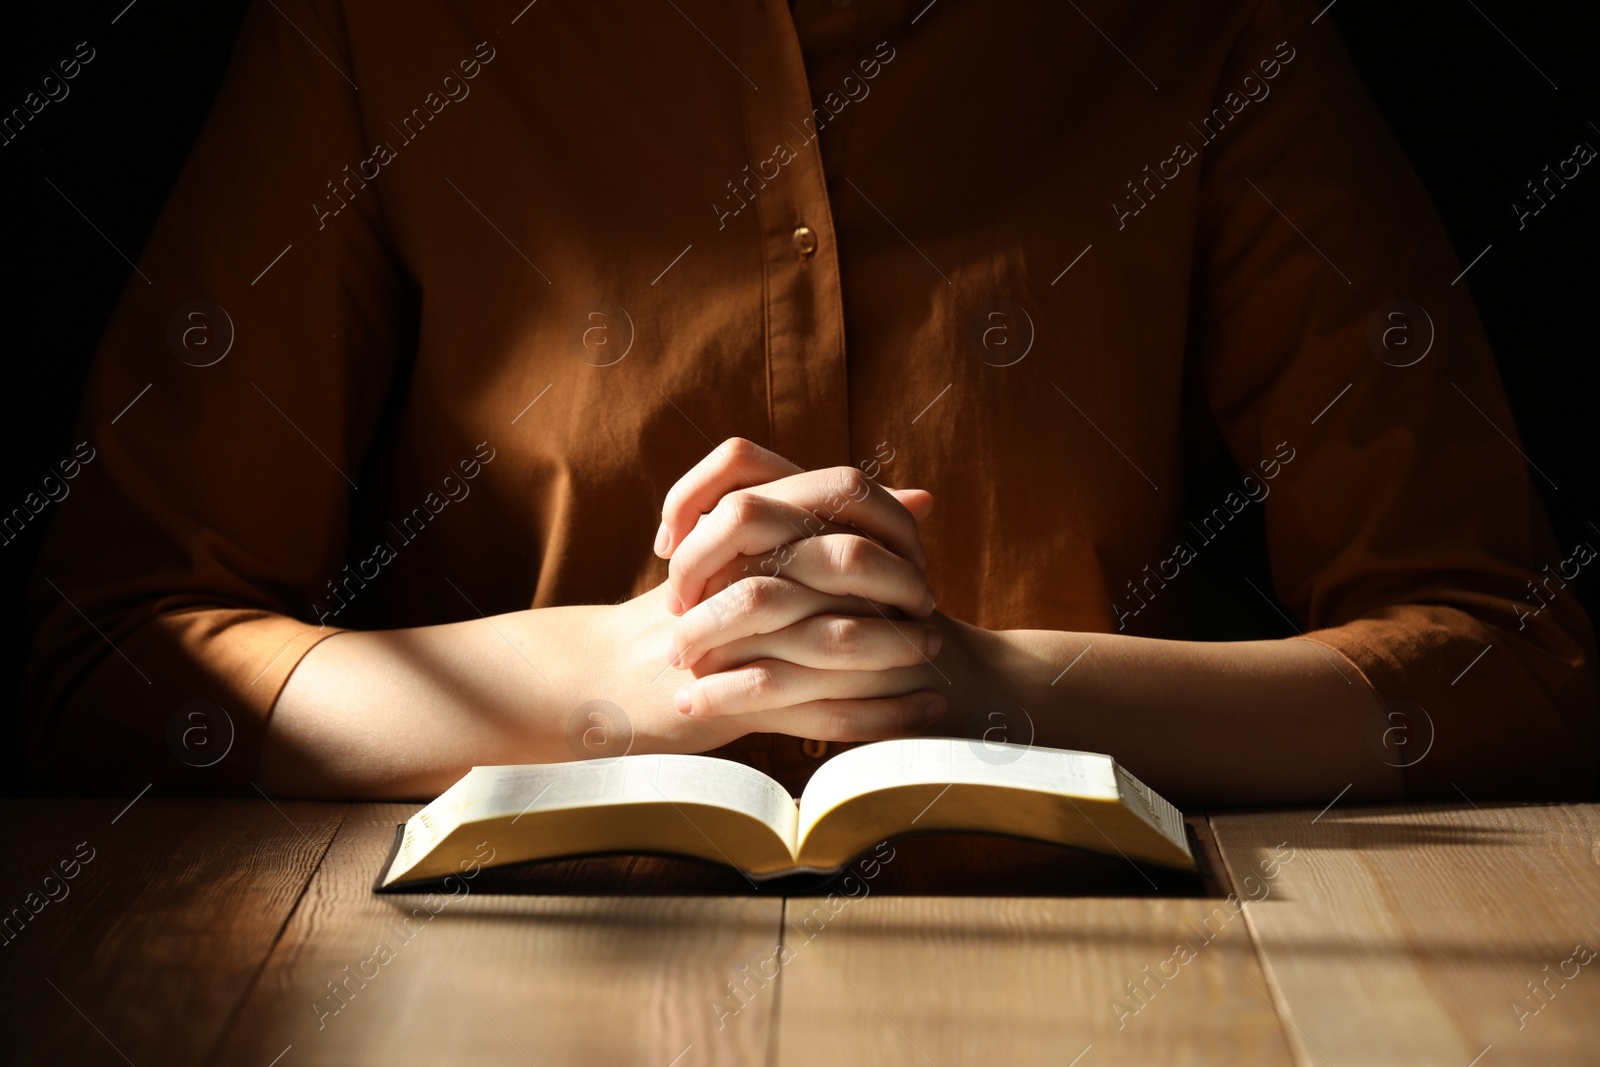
point(814, 749)
point(805, 240)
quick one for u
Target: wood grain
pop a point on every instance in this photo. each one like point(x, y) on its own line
point(151, 945)
point(874, 978)
point(490, 979)
point(1409, 935)
point(199, 933)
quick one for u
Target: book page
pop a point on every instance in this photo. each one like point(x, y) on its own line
point(956, 785)
point(1150, 805)
point(493, 792)
point(939, 760)
point(690, 805)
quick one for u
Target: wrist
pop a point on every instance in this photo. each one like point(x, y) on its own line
point(1012, 685)
point(975, 672)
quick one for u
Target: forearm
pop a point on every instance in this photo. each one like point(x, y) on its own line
point(1250, 722)
point(403, 713)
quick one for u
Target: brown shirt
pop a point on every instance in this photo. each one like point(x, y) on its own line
point(478, 285)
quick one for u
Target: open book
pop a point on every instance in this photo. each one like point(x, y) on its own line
point(728, 813)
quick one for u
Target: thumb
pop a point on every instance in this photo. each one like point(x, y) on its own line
point(917, 501)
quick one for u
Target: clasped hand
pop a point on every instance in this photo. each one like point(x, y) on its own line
point(801, 602)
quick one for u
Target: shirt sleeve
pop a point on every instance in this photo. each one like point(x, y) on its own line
point(212, 512)
point(1405, 535)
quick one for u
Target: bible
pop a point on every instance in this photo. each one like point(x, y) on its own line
point(724, 812)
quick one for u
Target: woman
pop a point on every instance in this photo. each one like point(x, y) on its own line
point(449, 309)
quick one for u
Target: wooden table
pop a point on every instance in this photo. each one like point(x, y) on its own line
point(245, 932)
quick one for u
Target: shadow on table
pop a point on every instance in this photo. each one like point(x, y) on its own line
point(944, 865)
point(1373, 827)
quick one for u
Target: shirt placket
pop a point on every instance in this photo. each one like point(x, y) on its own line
point(807, 389)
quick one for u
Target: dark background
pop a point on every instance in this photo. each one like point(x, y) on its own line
point(1472, 112)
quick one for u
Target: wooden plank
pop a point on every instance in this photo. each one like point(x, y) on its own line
point(486, 979)
point(148, 948)
point(868, 977)
point(1447, 933)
